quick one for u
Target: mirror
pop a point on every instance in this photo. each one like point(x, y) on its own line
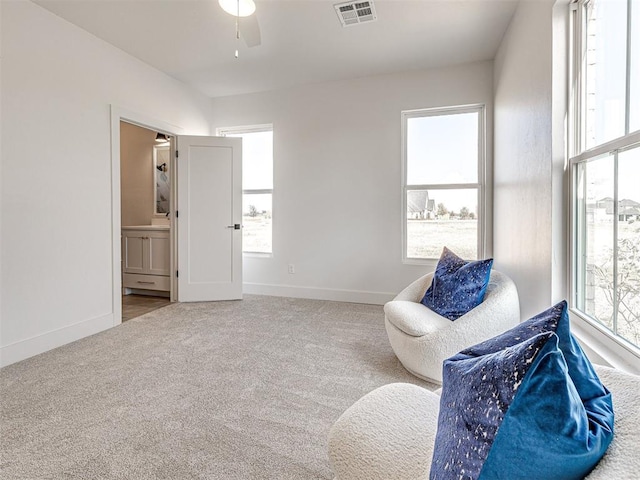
point(162, 187)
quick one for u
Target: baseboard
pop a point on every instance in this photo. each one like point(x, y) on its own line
point(56, 338)
point(24, 349)
point(353, 296)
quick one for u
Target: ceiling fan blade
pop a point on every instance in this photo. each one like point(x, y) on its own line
point(250, 30)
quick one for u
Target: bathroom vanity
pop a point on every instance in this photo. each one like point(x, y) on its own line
point(145, 258)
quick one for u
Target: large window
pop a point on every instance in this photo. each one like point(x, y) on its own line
point(443, 179)
point(257, 186)
point(605, 166)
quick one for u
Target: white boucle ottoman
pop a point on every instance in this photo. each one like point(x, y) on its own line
point(387, 434)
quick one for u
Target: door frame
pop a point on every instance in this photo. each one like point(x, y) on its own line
point(119, 114)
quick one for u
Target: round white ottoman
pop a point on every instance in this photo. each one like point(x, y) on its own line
point(387, 434)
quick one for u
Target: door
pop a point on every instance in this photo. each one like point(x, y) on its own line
point(209, 172)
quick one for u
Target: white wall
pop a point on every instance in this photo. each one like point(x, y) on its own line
point(523, 204)
point(337, 178)
point(57, 86)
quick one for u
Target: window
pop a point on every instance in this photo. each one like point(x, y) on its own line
point(257, 186)
point(443, 182)
point(605, 167)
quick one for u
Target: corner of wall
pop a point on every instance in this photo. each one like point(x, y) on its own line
point(523, 130)
point(560, 181)
point(86, 240)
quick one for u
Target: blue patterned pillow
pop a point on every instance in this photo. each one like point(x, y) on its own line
point(457, 286)
point(526, 404)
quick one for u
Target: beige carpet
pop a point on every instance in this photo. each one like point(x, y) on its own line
point(227, 390)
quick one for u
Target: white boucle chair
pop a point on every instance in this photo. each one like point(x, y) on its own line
point(390, 433)
point(422, 339)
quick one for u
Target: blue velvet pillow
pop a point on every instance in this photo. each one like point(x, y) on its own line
point(526, 404)
point(457, 286)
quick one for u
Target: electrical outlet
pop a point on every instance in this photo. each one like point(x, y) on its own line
point(292, 268)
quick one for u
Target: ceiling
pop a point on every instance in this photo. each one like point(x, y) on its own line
point(303, 41)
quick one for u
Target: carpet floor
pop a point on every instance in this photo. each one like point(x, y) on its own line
point(228, 390)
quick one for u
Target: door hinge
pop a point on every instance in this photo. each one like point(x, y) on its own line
point(176, 213)
point(176, 153)
point(176, 273)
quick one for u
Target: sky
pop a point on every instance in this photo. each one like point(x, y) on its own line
point(608, 44)
point(443, 149)
point(257, 160)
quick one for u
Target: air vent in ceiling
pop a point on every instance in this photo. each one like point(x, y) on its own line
point(353, 13)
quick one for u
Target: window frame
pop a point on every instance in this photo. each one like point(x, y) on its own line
point(578, 156)
point(481, 185)
point(241, 129)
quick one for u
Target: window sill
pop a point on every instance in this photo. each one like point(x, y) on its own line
point(603, 349)
point(431, 262)
point(257, 255)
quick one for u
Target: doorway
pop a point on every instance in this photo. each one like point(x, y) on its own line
point(145, 199)
point(204, 276)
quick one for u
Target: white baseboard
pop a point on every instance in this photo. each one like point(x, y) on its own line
point(353, 296)
point(56, 338)
point(47, 341)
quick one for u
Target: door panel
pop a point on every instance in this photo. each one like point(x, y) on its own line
point(209, 173)
point(158, 253)
point(209, 240)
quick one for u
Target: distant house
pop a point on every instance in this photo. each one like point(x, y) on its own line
point(419, 206)
point(627, 209)
point(605, 203)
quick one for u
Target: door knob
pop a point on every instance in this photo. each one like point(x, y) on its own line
point(235, 226)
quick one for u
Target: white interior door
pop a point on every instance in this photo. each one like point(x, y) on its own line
point(209, 171)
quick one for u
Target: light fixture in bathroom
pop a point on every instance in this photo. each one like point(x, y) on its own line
point(161, 138)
